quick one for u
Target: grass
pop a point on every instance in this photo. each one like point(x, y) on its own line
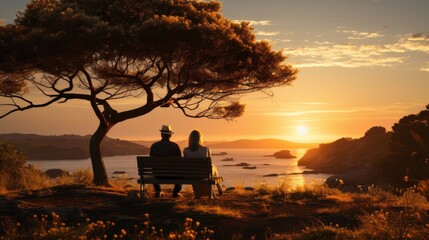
point(370, 213)
point(52, 227)
point(208, 208)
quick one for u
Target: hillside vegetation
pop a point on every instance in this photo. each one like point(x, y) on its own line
point(400, 157)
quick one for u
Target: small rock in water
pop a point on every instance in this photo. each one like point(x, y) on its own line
point(249, 167)
point(271, 175)
point(284, 154)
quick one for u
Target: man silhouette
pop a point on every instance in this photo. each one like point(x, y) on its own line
point(166, 148)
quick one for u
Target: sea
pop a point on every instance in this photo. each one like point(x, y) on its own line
point(261, 167)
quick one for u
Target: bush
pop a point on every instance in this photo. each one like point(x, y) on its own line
point(11, 163)
point(79, 177)
point(325, 233)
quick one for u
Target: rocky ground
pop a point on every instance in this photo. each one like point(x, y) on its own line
point(238, 214)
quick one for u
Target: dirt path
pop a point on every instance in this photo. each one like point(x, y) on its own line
point(232, 214)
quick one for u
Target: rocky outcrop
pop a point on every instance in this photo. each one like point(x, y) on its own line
point(283, 154)
point(354, 161)
point(348, 154)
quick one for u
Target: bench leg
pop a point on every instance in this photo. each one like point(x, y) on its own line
point(212, 193)
point(143, 191)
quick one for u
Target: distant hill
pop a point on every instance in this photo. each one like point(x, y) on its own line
point(243, 143)
point(67, 147)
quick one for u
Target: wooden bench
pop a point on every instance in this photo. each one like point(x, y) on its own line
point(175, 170)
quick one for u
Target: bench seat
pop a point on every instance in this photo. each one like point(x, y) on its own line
point(175, 170)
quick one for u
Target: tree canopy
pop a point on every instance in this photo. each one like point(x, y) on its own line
point(410, 145)
point(178, 53)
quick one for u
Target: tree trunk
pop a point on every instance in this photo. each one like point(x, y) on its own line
point(98, 168)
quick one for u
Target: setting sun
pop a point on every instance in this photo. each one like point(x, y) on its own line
point(302, 130)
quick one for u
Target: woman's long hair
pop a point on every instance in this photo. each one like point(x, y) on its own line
point(195, 140)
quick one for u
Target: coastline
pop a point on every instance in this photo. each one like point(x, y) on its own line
point(281, 170)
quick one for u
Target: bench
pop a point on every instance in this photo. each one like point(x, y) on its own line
point(175, 170)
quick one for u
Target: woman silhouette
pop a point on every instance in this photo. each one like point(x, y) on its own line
point(196, 149)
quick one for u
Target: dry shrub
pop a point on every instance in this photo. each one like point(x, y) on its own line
point(124, 182)
point(281, 192)
point(313, 191)
point(423, 187)
point(318, 233)
point(33, 179)
point(11, 163)
point(406, 221)
point(77, 177)
point(217, 210)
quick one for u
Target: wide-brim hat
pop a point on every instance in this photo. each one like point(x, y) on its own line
point(166, 129)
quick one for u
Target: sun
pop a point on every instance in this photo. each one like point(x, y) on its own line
point(302, 130)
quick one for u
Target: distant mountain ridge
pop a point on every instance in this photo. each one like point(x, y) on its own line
point(68, 147)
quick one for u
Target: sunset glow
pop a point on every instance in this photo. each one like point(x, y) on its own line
point(361, 64)
point(302, 130)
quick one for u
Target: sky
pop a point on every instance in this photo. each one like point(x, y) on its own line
point(361, 63)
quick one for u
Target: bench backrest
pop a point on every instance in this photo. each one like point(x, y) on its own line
point(174, 167)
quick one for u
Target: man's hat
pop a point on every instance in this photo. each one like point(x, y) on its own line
point(166, 129)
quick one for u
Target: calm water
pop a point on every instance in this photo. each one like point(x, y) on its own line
point(233, 175)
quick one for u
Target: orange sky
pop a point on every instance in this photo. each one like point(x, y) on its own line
point(362, 63)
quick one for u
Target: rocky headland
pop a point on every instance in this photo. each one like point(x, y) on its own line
point(354, 161)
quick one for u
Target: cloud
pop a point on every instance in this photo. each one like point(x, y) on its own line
point(416, 42)
point(352, 55)
point(360, 35)
point(334, 111)
point(425, 68)
point(345, 55)
point(263, 33)
point(254, 23)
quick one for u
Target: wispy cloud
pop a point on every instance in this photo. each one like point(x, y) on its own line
point(345, 55)
point(333, 110)
point(264, 33)
point(425, 68)
point(352, 55)
point(416, 42)
point(356, 35)
point(255, 23)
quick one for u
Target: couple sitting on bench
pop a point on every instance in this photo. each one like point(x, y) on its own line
point(195, 149)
